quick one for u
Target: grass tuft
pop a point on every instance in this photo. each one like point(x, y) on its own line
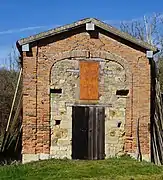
point(123, 168)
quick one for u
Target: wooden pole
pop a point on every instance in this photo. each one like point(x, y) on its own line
point(13, 102)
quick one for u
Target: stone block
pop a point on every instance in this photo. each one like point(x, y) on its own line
point(44, 156)
point(29, 158)
point(63, 142)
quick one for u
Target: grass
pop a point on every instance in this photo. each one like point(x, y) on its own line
point(114, 169)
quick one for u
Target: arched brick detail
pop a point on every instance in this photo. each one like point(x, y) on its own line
point(113, 57)
point(84, 54)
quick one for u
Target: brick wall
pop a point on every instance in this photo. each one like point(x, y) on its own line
point(36, 85)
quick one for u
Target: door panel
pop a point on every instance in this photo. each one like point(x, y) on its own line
point(88, 140)
point(101, 133)
point(80, 133)
point(96, 133)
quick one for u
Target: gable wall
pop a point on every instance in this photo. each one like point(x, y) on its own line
point(36, 85)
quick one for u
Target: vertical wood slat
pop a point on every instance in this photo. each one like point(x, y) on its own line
point(89, 79)
point(73, 132)
point(96, 133)
point(90, 134)
point(87, 121)
point(101, 118)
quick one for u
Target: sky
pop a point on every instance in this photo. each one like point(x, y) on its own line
point(22, 18)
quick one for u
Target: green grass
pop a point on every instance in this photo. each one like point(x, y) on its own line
point(113, 169)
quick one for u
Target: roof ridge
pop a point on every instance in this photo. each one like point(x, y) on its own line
point(97, 22)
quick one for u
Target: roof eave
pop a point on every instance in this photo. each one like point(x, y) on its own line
point(52, 32)
point(125, 36)
point(77, 24)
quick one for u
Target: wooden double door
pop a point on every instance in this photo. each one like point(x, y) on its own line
point(88, 132)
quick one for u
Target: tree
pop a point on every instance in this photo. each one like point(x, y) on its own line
point(7, 88)
point(8, 83)
point(150, 30)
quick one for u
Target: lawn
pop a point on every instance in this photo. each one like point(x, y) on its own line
point(114, 169)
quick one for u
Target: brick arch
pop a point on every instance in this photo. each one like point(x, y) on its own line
point(84, 54)
point(113, 57)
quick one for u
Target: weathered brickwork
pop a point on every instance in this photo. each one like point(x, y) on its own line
point(39, 75)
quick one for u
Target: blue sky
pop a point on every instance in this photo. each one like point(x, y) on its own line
point(20, 19)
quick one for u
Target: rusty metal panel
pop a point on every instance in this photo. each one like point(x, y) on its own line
point(89, 76)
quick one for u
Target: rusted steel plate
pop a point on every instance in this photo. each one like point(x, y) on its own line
point(89, 76)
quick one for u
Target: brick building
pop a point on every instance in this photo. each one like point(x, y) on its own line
point(85, 86)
